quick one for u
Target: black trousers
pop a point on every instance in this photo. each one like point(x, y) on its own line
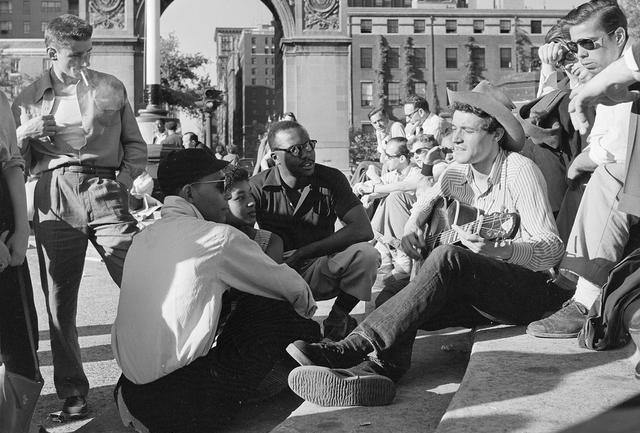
point(205, 394)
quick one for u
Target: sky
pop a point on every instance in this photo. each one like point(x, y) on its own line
point(194, 22)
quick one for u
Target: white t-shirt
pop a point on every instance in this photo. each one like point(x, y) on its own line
point(66, 111)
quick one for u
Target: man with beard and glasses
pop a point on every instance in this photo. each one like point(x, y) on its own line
point(300, 201)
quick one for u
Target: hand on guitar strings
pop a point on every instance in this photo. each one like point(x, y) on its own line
point(413, 243)
point(479, 245)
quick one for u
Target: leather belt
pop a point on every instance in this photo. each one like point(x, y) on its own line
point(87, 169)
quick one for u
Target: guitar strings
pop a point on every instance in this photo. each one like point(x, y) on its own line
point(490, 220)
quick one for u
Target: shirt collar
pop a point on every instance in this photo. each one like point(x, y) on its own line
point(44, 84)
point(272, 177)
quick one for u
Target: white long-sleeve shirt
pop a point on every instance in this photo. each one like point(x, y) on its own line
point(175, 274)
point(609, 135)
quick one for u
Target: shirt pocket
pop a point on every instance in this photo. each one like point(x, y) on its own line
point(107, 111)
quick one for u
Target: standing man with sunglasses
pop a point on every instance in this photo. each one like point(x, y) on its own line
point(422, 121)
point(300, 201)
point(600, 231)
point(79, 136)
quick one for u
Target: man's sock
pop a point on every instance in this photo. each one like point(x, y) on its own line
point(586, 292)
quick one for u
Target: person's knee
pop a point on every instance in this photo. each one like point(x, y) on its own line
point(366, 256)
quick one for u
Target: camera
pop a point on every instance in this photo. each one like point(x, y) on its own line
point(567, 55)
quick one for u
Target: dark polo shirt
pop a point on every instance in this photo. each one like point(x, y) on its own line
point(327, 196)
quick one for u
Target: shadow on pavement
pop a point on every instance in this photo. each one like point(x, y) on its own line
point(83, 331)
point(101, 352)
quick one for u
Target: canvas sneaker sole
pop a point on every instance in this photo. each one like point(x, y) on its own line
point(337, 387)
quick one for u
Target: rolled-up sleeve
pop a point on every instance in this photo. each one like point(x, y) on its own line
point(9, 152)
point(247, 268)
point(540, 247)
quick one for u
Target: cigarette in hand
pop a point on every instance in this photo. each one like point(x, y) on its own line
point(84, 78)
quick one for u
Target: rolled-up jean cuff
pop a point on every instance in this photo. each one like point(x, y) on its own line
point(595, 273)
point(376, 349)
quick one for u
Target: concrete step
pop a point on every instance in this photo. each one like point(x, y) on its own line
point(518, 383)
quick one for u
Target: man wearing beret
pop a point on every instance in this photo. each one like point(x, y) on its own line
point(204, 315)
point(498, 281)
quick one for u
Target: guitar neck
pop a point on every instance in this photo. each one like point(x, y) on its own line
point(450, 236)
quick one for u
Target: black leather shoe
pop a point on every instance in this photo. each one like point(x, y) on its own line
point(75, 407)
point(326, 353)
point(564, 323)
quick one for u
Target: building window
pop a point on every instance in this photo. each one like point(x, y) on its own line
point(6, 27)
point(253, 71)
point(451, 56)
point(453, 86)
point(535, 59)
point(420, 57)
point(26, 27)
point(253, 60)
point(26, 7)
point(366, 58)
point(253, 50)
point(266, 50)
point(478, 26)
point(365, 26)
point(451, 26)
point(266, 40)
point(392, 26)
point(51, 6)
point(418, 26)
point(477, 56)
point(366, 94)
point(393, 93)
point(393, 57)
point(420, 88)
point(505, 58)
point(253, 81)
point(536, 26)
point(505, 26)
point(6, 7)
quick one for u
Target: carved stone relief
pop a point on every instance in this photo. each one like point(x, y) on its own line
point(107, 14)
point(322, 14)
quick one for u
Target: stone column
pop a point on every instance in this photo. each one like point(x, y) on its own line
point(152, 60)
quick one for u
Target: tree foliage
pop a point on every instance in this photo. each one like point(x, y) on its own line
point(523, 48)
point(363, 147)
point(473, 69)
point(382, 71)
point(631, 9)
point(408, 70)
point(181, 84)
point(11, 82)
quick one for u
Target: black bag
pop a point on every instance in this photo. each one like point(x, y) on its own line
point(604, 327)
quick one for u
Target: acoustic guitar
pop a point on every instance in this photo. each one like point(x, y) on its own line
point(447, 212)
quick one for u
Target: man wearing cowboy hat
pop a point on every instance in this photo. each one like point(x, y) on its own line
point(502, 282)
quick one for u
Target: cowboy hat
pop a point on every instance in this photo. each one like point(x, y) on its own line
point(494, 102)
point(539, 118)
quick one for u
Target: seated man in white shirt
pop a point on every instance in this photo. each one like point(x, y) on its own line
point(204, 315)
point(420, 120)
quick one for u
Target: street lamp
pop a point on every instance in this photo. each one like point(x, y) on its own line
point(211, 100)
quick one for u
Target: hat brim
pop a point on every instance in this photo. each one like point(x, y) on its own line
point(514, 134)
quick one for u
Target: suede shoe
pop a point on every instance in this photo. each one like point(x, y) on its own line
point(328, 353)
point(75, 407)
point(341, 387)
point(564, 323)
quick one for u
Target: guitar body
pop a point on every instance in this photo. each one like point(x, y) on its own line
point(448, 212)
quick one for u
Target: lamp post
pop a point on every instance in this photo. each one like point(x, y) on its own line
point(152, 60)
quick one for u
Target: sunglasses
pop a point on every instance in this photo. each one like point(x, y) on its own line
point(422, 150)
point(408, 116)
point(587, 43)
point(394, 156)
point(297, 149)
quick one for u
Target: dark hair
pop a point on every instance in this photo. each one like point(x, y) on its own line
point(288, 114)
point(171, 125)
point(376, 111)
point(181, 167)
point(402, 145)
point(557, 32)
point(233, 175)
point(491, 123)
point(62, 30)
point(418, 102)
point(192, 136)
point(283, 125)
point(427, 139)
point(609, 14)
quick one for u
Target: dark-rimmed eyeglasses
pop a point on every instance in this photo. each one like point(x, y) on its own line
point(587, 43)
point(394, 156)
point(409, 116)
point(422, 150)
point(297, 149)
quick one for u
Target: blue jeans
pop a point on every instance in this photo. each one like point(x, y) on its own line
point(456, 287)
point(72, 209)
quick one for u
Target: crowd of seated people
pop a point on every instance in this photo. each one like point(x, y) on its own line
point(218, 294)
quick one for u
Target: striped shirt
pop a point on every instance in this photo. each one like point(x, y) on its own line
point(515, 184)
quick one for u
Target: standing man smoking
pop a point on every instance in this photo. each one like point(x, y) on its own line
point(78, 134)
